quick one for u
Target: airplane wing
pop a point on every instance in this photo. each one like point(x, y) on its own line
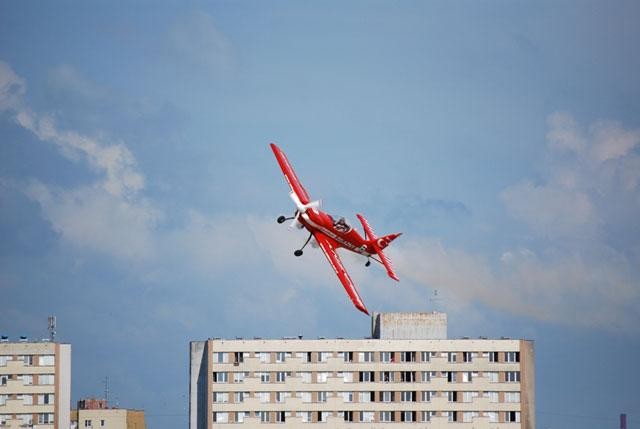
point(328, 246)
point(290, 175)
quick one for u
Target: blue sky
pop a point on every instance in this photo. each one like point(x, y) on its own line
point(138, 194)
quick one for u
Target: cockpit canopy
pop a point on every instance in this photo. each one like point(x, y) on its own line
point(341, 224)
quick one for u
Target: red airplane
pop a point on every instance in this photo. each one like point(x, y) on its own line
point(331, 234)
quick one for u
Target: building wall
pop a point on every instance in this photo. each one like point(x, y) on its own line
point(108, 418)
point(27, 391)
point(444, 376)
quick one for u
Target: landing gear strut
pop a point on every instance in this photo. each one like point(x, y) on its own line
point(299, 251)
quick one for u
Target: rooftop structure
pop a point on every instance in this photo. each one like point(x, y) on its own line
point(96, 413)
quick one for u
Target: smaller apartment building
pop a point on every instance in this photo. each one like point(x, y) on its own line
point(96, 414)
point(409, 375)
point(35, 384)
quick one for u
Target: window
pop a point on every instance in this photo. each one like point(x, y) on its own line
point(282, 396)
point(220, 377)
point(45, 418)
point(493, 396)
point(221, 357)
point(427, 395)
point(220, 397)
point(281, 357)
point(27, 360)
point(305, 375)
point(366, 376)
point(322, 396)
point(467, 377)
point(492, 376)
point(408, 416)
point(468, 396)
point(452, 416)
point(221, 417)
point(511, 396)
point(347, 377)
point(493, 356)
point(367, 416)
point(46, 379)
point(386, 416)
point(493, 416)
point(3, 360)
point(238, 377)
point(4, 418)
point(263, 416)
point(348, 416)
point(264, 357)
point(408, 376)
point(305, 357)
point(347, 396)
point(450, 375)
point(407, 356)
point(512, 416)
point(386, 376)
point(512, 376)
point(452, 357)
point(3, 399)
point(87, 423)
point(365, 357)
point(467, 356)
point(238, 397)
point(468, 416)
point(427, 415)
point(264, 397)
point(323, 356)
point(386, 396)
point(407, 396)
point(238, 357)
point(281, 377)
point(322, 416)
point(304, 396)
point(306, 416)
point(27, 380)
point(322, 377)
point(3, 379)
point(426, 376)
point(265, 377)
point(452, 396)
point(366, 396)
point(281, 416)
point(385, 357)
point(346, 356)
point(240, 416)
point(426, 356)
point(512, 357)
point(26, 399)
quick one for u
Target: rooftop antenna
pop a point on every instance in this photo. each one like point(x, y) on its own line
point(52, 328)
point(106, 390)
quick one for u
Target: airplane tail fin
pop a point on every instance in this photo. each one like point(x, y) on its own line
point(379, 243)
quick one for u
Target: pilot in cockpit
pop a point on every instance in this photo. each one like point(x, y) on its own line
point(341, 225)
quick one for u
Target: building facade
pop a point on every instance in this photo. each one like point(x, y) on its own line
point(96, 414)
point(407, 375)
point(35, 384)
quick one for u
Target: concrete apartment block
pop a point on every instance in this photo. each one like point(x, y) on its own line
point(35, 385)
point(96, 413)
point(420, 380)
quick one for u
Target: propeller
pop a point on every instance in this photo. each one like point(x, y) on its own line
point(301, 209)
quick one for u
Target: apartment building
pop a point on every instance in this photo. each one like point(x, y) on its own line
point(35, 384)
point(96, 414)
point(406, 375)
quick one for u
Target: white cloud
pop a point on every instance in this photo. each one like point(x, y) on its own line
point(12, 88)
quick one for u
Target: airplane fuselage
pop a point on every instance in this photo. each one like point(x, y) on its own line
point(317, 220)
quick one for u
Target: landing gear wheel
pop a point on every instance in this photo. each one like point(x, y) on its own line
point(281, 219)
point(298, 252)
point(367, 263)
